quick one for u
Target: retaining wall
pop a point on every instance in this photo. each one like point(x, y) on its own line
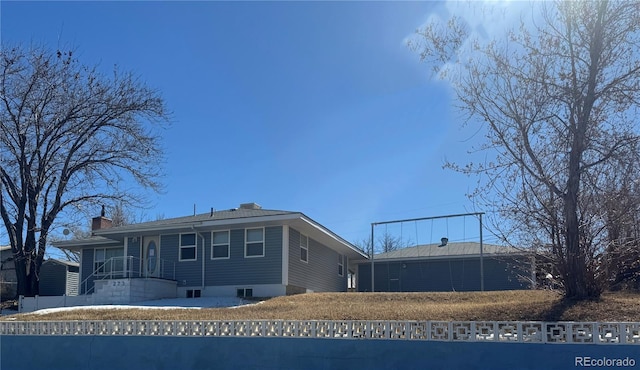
point(147, 352)
point(309, 344)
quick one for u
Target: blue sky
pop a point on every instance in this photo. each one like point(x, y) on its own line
point(318, 107)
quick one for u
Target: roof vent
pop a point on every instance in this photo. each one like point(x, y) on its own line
point(250, 206)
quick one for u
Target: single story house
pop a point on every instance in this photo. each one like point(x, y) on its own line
point(59, 278)
point(445, 268)
point(244, 251)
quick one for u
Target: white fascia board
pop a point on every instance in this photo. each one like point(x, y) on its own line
point(328, 233)
point(80, 243)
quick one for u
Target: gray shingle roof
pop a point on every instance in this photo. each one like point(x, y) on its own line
point(188, 220)
point(451, 249)
point(62, 262)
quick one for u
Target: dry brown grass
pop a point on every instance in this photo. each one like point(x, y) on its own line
point(487, 306)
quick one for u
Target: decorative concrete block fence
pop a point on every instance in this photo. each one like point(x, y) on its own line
point(493, 331)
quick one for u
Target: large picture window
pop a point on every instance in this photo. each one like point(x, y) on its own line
point(220, 245)
point(108, 260)
point(188, 250)
point(254, 242)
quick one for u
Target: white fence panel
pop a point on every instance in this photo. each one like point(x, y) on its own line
point(459, 331)
point(30, 304)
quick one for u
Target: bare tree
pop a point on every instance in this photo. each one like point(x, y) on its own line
point(559, 100)
point(621, 208)
point(386, 243)
point(70, 137)
point(120, 215)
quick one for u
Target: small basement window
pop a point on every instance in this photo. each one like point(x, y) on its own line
point(244, 292)
point(193, 293)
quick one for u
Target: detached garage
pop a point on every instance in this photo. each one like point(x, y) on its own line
point(452, 267)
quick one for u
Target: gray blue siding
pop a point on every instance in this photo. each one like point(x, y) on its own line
point(320, 274)
point(187, 272)
point(238, 270)
point(444, 275)
point(53, 279)
point(86, 269)
point(133, 250)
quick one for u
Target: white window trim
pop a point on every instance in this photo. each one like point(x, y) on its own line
point(94, 271)
point(228, 244)
point(94, 268)
point(246, 231)
point(305, 247)
point(194, 246)
point(341, 264)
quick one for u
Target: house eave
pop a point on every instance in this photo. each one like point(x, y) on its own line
point(78, 244)
point(329, 236)
point(120, 234)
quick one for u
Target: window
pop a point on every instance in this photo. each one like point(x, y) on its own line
point(304, 248)
point(244, 293)
point(220, 245)
point(254, 243)
point(340, 265)
point(193, 293)
point(105, 260)
point(188, 247)
point(98, 261)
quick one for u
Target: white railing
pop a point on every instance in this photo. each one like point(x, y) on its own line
point(127, 267)
point(516, 332)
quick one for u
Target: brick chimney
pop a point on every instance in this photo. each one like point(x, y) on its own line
point(101, 222)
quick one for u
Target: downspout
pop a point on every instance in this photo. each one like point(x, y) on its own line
point(203, 254)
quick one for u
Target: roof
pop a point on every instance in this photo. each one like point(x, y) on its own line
point(61, 262)
point(231, 214)
point(92, 240)
point(452, 249)
point(245, 216)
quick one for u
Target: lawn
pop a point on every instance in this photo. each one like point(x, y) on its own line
point(479, 306)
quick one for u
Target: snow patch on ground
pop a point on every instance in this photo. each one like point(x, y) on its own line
point(163, 304)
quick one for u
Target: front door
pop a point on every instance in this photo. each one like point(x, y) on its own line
point(151, 256)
